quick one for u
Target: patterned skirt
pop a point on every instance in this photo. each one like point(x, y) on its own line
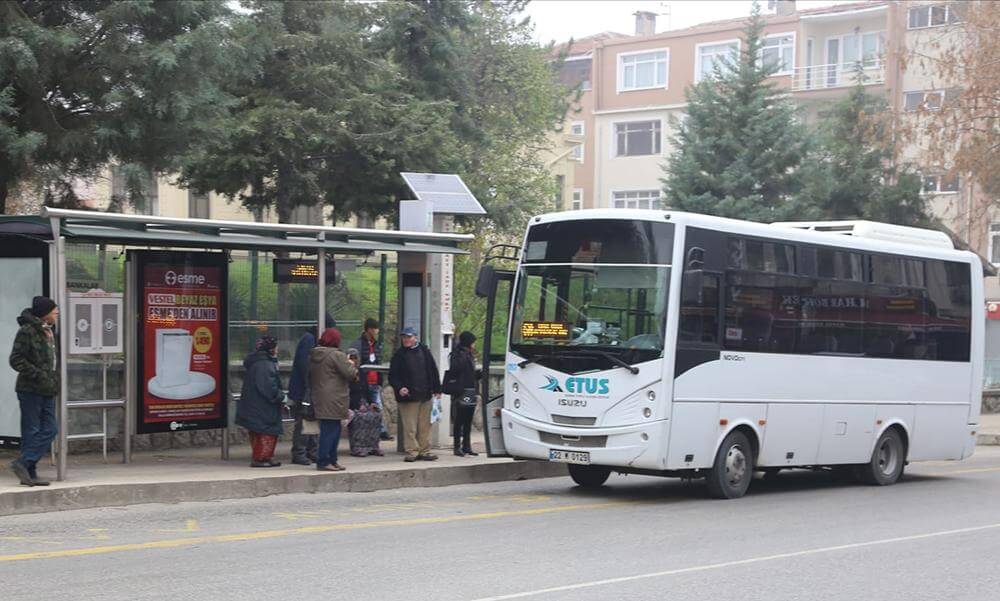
point(364, 430)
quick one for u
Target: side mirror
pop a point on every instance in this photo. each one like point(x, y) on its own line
point(485, 282)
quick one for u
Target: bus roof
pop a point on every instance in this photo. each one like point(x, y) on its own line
point(859, 235)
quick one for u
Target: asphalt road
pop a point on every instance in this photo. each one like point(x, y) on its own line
point(934, 536)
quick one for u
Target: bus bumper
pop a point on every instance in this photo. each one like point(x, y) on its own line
point(636, 446)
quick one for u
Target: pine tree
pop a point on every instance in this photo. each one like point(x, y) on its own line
point(738, 151)
point(86, 82)
point(851, 172)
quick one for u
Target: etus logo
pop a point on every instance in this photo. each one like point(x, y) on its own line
point(578, 385)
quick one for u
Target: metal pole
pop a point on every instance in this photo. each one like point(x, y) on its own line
point(60, 297)
point(104, 412)
point(383, 276)
point(131, 329)
point(321, 289)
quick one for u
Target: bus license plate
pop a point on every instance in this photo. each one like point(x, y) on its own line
point(579, 457)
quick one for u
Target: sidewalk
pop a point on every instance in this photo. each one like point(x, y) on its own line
point(989, 429)
point(200, 475)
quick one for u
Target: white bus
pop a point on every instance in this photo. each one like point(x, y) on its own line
point(676, 344)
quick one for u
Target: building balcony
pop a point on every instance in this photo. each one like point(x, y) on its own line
point(838, 75)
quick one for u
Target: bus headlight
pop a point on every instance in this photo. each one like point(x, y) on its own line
point(517, 403)
point(514, 387)
point(649, 395)
point(647, 412)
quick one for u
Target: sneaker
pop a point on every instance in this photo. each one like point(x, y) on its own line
point(301, 461)
point(410, 458)
point(357, 454)
point(386, 436)
point(21, 471)
point(427, 457)
point(274, 463)
point(260, 464)
point(470, 453)
point(36, 481)
point(459, 453)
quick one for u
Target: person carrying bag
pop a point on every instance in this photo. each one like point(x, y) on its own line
point(461, 381)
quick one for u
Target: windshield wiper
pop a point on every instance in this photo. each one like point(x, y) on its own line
point(609, 357)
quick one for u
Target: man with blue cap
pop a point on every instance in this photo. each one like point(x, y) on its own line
point(414, 378)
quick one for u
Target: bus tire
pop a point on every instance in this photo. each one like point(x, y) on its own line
point(887, 462)
point(732, 471)
point(589, 476)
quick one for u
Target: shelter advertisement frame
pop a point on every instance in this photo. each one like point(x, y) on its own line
point(181, 304)
point(19, 247)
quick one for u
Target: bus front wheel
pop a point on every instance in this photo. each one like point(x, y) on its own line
point(589, 476)
point(732, 471)
point(887, 462)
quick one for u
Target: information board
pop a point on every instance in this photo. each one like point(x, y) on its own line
point(182, 341)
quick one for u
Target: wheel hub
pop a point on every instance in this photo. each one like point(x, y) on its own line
point(736, 465)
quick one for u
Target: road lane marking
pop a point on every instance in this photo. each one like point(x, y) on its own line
point(268, 534)
point(739, 562)
point(189, 526)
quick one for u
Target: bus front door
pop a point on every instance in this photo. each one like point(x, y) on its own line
point(496, 286)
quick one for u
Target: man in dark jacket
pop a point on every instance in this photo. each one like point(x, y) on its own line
point(34, 359)
point(370, 353)
point(303, 445)
point(414, 377)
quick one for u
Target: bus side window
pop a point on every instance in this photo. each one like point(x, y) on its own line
point(699, 311)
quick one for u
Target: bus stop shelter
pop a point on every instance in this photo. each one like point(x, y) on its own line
point(145, 233)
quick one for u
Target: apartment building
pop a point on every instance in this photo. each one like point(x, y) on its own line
point(633, 92)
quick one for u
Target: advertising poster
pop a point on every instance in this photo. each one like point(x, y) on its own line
point(182, 345)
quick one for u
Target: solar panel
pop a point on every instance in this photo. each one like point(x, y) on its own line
point(446, 192)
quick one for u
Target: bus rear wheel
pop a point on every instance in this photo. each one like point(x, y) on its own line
point(732, 471)
point(589, 476)
point(887, 462)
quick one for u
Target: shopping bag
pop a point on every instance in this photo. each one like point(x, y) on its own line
point(310, 427)
point(436, 410)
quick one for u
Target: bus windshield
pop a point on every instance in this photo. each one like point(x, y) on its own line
point(616, 309)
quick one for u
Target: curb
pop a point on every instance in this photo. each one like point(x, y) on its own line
point(988, 439)
point(115, 495)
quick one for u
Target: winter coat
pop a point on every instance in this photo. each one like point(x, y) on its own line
point(300, 366)
point(34, 358)
point(414, 368)
point(463, 368)
point(330, 376)
point(259, 409)
point(361, 345)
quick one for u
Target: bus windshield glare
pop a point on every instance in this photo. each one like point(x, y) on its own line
point(597, 285)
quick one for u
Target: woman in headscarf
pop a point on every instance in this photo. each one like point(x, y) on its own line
point(365, 427)
point(259, 408)
point(330, 377)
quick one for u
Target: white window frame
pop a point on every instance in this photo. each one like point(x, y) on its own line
point(614, 138)
point(621, 70)
point(923, 100)
point(990, 234)
point(791, 68)
point(586, 84)
point(577, 200)
point(697, 53)
point(928, 7)
point(573, 126)
point(839, 60)
point(938, 180)
point(659, 198)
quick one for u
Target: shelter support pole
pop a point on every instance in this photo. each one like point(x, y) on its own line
point(321, 289)
point(60, 296)
point(131, 309)
point(440, 330)
point(382, 277)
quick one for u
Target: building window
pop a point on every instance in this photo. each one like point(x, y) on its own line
point(864, 48)
point(939, 184)
point(994, 243)
point(560, 189)
point(636, 199)
point(779, 50)
point(707, 56)
point(575, 72)
point(576, 129)
point(148, 202)
point(577, 199)
point(642, 70)
point(198, 205)
point(637, 138)
point(934, 15)
point(915, 101)
point(307, 215)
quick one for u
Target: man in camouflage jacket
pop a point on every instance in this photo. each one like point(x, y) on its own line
point(34, 359)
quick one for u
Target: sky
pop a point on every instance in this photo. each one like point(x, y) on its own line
point(560, 20)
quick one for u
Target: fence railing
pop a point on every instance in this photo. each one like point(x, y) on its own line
point(838, 75)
